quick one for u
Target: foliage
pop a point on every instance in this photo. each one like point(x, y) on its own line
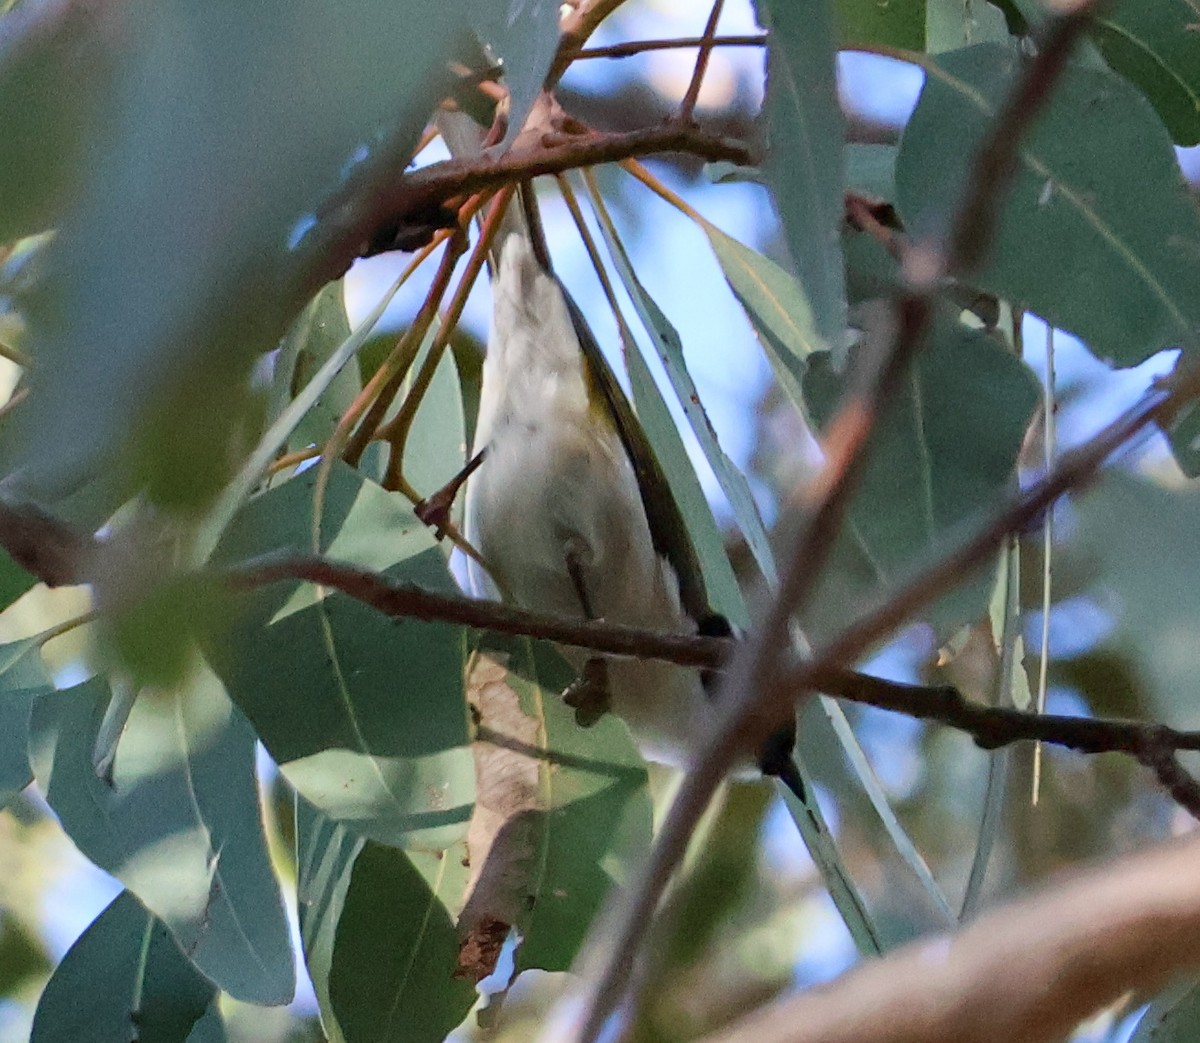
point(187, 402)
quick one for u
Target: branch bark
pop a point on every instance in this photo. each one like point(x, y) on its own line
point(1031, 970)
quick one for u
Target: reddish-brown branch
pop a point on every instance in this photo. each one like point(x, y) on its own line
point(1030, 970)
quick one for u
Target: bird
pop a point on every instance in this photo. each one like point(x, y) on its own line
point(569, 509)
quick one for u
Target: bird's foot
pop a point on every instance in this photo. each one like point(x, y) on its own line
point(588, 694)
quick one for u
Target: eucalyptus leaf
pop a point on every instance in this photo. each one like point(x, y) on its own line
point(524, 35)
point(866, 23)
point(1097, 234)
point(950, 24)
point(321, 328)
point(395, 952)
point(57, 62)
point(777, 307)
point(325, 854)
point(1136, 533)
point(669, 348)
point(365, 716)
point(205, 213)
point(720, 581)
point(179, 825)
point(1157, 47)
point(944, 454)
point(804, 151)
point(123, 979)
point(23, 678)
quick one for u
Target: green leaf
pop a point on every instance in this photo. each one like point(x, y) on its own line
point(210, 1028)
point(524, 36)
point(822, 848)
point(866, 23)
point(56, 65)
point(179, 826)
point(195, 239)
point(14, 580)
point(777, 307)
point(435, 450)
point(315, 337)
point(1157, 47)
point(23, 678)
point(395, 951)
point(325, 854)
point(950, 24)
point(365, 716)
point(945, 453)
point(1097, 195)
point(123, 979)
point(566, 811)
point(871, 170)
point(804, 158)
point(1138, 533)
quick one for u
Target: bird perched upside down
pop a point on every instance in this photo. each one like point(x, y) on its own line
point(570, 509)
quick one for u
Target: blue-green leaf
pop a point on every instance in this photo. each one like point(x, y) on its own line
point(148, 332)
point(1157, 47)
point(804, 158)
point(395, 952)
point(123, 979)
point(1098, 234)
point(945, 453)
point(179, 825)
point(365, 716)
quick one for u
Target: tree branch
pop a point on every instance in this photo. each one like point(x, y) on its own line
point(632, 47)
point(751, 708)
point(1031, 970)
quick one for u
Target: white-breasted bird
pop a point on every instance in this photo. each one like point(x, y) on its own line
point(569, 507)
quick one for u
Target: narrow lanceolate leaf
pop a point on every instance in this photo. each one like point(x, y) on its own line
point(944, 454)
point(818, 838)
point(670, 351)
point(1137, 533)
point(1117, 236)
point(179, 825)
point(563, 812)
point(777, 307)
point(366, 717)
point(325, 854)
point(804, 157)
point(123, 979)
point(1158, 48)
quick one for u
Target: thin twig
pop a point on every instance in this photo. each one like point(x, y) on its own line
point(632, 47)
point(990, 726)
point(750, 706)
point(688, 106)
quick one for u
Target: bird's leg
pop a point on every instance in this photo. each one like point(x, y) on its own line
point(434, 510)
point(588, 695)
